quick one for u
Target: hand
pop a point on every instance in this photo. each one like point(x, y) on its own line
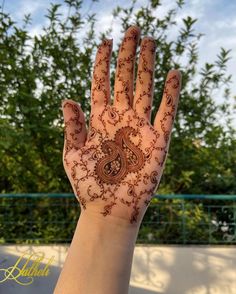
point(115, 166)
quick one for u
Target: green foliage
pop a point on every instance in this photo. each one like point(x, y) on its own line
point(167, 221)
point(49, 220)
point(38, 72)
point(175, 222)
point(201, 157)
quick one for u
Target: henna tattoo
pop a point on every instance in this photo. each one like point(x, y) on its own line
point(122, 157)
point(102, 67)
point(125, 67)
point(120, 165)
point(165, 121)
point(108, 208)
point(169, 116)
point(69, 136)
point(141, 122)
point(134, 215)
point(153, 177)
point(174, 81)
point(114, 116)
point(92, 133)
point(145, 77)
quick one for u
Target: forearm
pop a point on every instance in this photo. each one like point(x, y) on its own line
point(100, 257)
point(116, 164)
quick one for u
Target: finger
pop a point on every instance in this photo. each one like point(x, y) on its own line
point(75, 127)
point(124, 79)
point(145, 78)
point(100, 88)
point(166, 114)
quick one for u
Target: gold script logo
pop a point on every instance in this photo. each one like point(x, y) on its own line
point(26, 268)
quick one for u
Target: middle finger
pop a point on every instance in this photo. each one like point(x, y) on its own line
point(124, 79)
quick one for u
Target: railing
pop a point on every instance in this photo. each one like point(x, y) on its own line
point(170, 219)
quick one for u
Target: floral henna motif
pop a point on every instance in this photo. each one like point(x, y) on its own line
point(125, 170)
point(71, 137)
point(117, 168)
point(145, 74)
point(173, 83)
point(103, 65)
point(125, 64)
point(122, 157)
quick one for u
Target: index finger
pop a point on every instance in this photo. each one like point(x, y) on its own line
point(100, 88)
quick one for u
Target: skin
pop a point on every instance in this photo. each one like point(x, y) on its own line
point(115, 166)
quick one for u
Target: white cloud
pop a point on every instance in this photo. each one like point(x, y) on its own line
point(29, 7)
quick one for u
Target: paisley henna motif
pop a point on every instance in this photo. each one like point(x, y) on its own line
point(114, 116)
point(118, 167)
point(173, 82)
point(122, 157)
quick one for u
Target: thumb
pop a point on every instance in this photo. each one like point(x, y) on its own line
point(75, 127)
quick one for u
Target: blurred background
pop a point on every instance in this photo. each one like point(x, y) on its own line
point(47, 51)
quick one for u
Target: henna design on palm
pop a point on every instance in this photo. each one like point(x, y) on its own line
point(115, 166)
point(122, 157)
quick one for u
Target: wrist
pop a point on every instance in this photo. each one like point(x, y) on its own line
point(102, 248)
point(115, 229)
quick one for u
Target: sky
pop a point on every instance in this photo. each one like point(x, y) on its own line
point(216, 19)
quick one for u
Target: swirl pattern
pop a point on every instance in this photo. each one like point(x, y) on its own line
point(121, 157)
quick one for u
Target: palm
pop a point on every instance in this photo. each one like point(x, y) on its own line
point(120, 162)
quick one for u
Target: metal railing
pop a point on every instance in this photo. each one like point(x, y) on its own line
point(170, 219)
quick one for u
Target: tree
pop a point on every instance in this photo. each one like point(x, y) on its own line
point(38, 72)
point(201, 157)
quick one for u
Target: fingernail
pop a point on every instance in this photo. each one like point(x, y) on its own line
point(63, 102)
point(149, 40)
point(107, 42)
point(137, 28)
